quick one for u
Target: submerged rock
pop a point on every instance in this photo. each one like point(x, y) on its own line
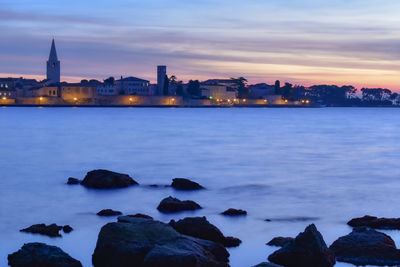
point(201, 228)
point(234, 212)
point(51, 230)
point(280, 241)
point(143, 242)
point(72, 180)
point(267, 264)
point(109, 212)
point(307, 249)
point(171, 204)
point(139, 215)
point(375, 222)
point(366, 246)
point(41, 255)
point(185, 184)
point(102, 179)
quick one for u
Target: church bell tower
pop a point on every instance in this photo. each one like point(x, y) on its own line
point(53, 65)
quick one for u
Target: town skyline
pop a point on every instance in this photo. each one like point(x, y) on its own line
point(324, 43)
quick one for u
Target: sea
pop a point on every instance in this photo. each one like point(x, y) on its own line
point(291, 166)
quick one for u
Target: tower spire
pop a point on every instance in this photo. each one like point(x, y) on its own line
point(53, 52)
point(53, 65)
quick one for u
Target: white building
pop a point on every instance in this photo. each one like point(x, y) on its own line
point(132, 86)
point(219, 89)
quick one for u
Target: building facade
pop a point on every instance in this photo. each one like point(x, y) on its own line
point(219, 89)
point(132, 86)
point(161, 77)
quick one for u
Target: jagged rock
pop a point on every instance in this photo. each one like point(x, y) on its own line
point(366, 246)
point(171, 204)
point(280, 241)
point(185, 184)
point(67, 229)
point(72, 180)
point(268, 264)
point(144, 242)
point(139, 215)
point(109, 212)
point(43, 229)
point(375, 222)
point(41, 255)
point(201, 228)
point(234, 212)
point(102, 179)
point(307, 249)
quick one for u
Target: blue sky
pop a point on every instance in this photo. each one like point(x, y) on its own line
point(303, 42)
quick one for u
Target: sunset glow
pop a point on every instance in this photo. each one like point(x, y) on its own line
point(302, 42)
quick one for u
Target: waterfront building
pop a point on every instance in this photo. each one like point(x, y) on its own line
point(219, 89)
point(261, 90)
point(161, 79)
point(107, 89)
point(132, 86)
point(53, 65)
point(46, 91)
point(78, 92)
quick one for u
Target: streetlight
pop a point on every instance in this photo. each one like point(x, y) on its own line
point(130, 101)
point(75, 99)
point(40, 100)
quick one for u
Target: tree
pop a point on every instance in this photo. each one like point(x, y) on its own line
point(243, 90)
point(166, 85)
point(194, 88)
point(179, 89)
point(277, 87)
point(287, 92)
point(332, 95)
point(109, 80)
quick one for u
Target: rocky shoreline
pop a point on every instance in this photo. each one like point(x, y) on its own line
point(139, 240)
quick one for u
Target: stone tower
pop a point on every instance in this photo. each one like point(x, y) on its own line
point(161, 74)
point(53, 65)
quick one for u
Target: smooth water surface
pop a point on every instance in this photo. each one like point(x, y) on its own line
point(297, 166)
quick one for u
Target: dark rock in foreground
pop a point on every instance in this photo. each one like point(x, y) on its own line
point(366, 246)
point(41, 255)
point(185, 184)
point(201, 228)
point(171, 204)
point(109, 212)
point(67, 229)
point(280, 241)
point(307, 249)
point(234, 212)
point(143, 242)
point(375, 222)
point(102, 179)
point(267, 264)
point(72, 180)
point(139, 215)
point(43, 229)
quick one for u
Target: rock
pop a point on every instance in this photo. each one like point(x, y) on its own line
point(143, 242)
point(72, 180)
point(185, 184)
point(67, 229)
point(43, 229)
point(365, 246)
point(280, 241)
point(201, 228)
point(234, 212)
point(109, 212)
point(139, 215)
point(307, 249)
point(39, 254)
point(375, 222)
point(267, 264)
point(107, 179)
point(171, 204)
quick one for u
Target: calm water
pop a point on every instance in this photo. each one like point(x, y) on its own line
point(329, 164)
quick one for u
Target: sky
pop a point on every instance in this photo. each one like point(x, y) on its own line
point(305, 42)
